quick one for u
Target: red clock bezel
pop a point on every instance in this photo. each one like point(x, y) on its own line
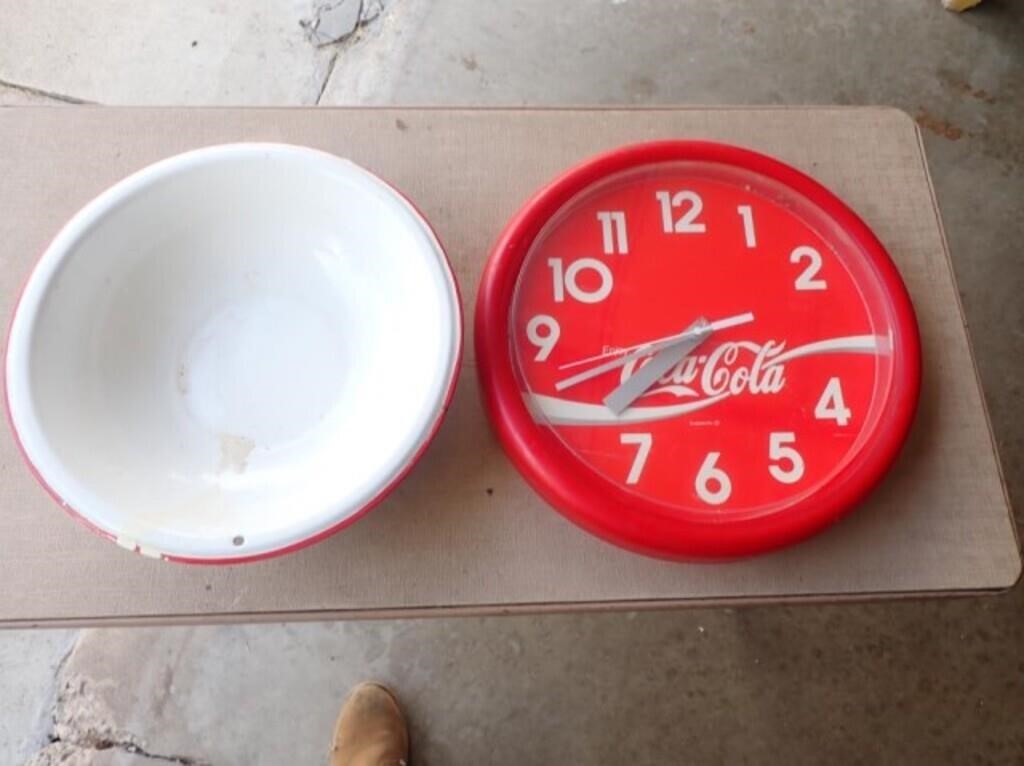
point(605, 508)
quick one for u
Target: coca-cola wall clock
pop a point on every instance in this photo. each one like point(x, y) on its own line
point(695, 351)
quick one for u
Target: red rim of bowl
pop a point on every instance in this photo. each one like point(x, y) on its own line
point(604, 508)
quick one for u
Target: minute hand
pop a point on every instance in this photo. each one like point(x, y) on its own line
point(630, 389)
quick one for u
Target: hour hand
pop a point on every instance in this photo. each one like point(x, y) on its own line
point(634, 386)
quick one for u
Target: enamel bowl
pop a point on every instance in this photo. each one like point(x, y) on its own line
point(234, 352)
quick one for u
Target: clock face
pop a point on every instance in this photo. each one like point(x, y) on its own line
point(704, 352)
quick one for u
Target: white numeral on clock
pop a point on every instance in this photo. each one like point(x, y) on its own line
point(546, 342)
point(749, 235)
point(643, 442)
point(779, 452)
point(831, 405)
point(687, 223)
point(565, 280)
point(713, 485)
point(613, 232)
point(806, 280)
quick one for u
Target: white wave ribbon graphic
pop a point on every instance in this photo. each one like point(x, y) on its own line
point(851, 344)
point(563, 412)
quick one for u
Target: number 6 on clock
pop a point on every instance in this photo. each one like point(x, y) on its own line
point(708, 477)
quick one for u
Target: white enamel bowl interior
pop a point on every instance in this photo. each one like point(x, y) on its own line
point(233, 350)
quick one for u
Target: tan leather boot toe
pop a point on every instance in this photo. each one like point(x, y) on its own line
point(371, 730)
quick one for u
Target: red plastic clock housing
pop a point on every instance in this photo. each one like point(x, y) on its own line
point(773, 427)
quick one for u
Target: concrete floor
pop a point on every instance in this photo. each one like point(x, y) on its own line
point(937, 681)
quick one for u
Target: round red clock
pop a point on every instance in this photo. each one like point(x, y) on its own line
point(694, 350)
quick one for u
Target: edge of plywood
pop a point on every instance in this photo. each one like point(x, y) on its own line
point(1016, 578)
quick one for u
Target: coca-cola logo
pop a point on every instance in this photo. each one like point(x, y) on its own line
point(729, 369)
point(734, 368)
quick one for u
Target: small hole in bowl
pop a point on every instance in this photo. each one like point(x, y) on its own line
point(238, 540)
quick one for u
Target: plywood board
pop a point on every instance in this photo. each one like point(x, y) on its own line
point(464, 533)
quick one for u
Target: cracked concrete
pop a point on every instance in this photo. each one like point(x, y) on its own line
point(339, 24)
point(334, 22)
point(199, 53)
point(935, 682)
point(20, 95)
point(63, 754)
point(84, 726)
point(30, 663)
point(930, 682)
point(102, 754)
point(202, 52)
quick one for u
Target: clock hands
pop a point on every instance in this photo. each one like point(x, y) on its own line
point(626, 355)
point(631, 388)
